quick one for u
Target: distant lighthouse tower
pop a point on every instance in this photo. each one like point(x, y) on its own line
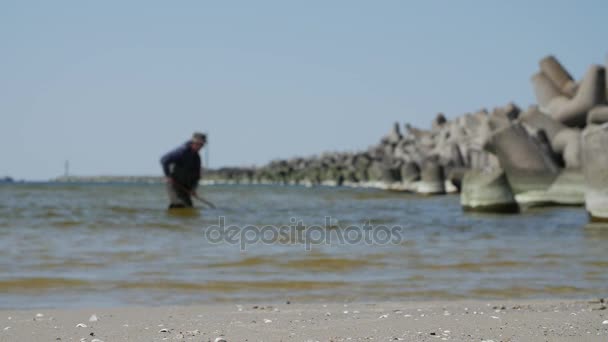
point(66, 169)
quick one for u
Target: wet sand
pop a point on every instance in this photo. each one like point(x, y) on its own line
point(551, 320)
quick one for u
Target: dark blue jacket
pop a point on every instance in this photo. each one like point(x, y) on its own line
point(183, 165)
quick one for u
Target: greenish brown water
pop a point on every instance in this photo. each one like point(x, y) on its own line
point(104, 245)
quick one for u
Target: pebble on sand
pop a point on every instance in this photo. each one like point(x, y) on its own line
point(193, 332)
point(93, 318)
point(81, 325)
point(605, 322)
point(220, 339)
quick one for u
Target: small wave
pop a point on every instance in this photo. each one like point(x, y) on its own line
point(594, 275)
point(67, 224)
point(123, 210)
point(319, 264)
point(68, 264)
point(601, 264)
point(48, 214)
point(469, 266)
point(39, 283)
point(549, 256)
point(330, 264)
point(232, 286)
point(247, 262)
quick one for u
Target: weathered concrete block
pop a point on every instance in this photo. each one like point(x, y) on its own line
point(598, 115)
point(394, 135)
point(497, 121)
point(423, 138)
point(482, 160)
point(526, 163)
point(567, 189)
point(536, 119)
point(568, 143)
point(511, 111)
point(449, 155)
point(410, 172)
point(383, 172)
point(551, 67)
point(432, 178)
point(595, 166)
point(592, 92)
point(487, 191)
point(544, 89)
point(454, 177)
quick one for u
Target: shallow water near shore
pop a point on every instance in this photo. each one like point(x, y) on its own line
point(83, 245)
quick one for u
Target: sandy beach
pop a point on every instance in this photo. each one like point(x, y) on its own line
point(551, 320)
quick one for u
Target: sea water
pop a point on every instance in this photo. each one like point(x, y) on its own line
point(83, 245)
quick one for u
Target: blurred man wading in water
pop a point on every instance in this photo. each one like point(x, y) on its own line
point(182, 169)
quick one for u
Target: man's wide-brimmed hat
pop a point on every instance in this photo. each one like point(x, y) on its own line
point(199, 138)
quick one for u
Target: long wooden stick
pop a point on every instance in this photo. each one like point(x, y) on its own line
point(203, 200)
point(195, 195)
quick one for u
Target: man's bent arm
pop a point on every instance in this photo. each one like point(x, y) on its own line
point(169, 159)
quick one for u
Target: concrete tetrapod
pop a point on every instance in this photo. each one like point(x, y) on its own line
point(528, 166)
point(598, 115)
point(595, 164)
point(533, 117)
point(487, 191)
point(592, 92)
point(544, 89)
point(568, 143)
point(558, 75)
point(432, 179)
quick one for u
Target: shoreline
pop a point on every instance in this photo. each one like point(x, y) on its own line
point(460, 320)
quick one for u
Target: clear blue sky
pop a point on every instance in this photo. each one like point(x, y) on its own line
point(112, 85)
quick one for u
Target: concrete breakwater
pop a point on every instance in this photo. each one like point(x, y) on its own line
point(500, 160)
